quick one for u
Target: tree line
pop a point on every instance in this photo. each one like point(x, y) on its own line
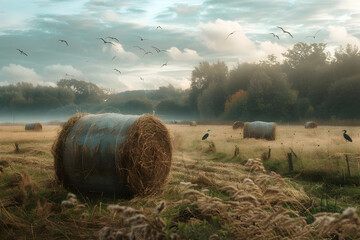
point(308, 83)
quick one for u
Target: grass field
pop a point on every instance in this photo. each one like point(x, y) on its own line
point(210, 195)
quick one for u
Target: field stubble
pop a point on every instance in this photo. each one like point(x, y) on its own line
point(209, 195)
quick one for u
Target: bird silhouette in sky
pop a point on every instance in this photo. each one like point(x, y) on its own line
point(146, 53)
point(274, 35)
point(22, 52)
point(141, 78)
point(113, 38)
point(158, 27)
point(313, 36)
point(105, 41)
point(164, 64)
point(140, 48)
point(142, 39)
point(113, 57)
point(64, 41)
point(117, 70)
point(230, 34)
point(156, 49)
point(286, 32)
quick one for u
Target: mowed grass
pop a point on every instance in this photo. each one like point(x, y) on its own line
point(31, 206)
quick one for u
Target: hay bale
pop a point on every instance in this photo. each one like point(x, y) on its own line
point(258, 129)
point(238, 124)
point(111, 153)
point(193, 123)
point(33, 126)
point(311, 124)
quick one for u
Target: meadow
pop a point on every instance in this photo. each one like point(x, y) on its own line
point(209, 195)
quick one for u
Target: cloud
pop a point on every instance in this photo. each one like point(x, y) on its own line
point(214, 35)
point(117, 50)
point(267, 48)
point(339, 35)
point(186, 55)
point(184, 9)
point(16, 73)
point(57, 71)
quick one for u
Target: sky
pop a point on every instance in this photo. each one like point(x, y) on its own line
point(189, 32)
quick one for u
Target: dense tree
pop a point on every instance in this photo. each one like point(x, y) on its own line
point(235, 106)
point(85, 92)
point(211, 103)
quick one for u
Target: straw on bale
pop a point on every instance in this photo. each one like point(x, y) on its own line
point(33, 126)
point(193, 123)
point(238, 124)
point(258, 129)
point(311, 124)
point(113, 154)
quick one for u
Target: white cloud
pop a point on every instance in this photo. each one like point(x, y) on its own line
point(111, 16)
point(57, 71)
point(214, 35)
point(184, 9)
point(340, 36)
point(116, 49)
point(16, 73)
point(186, 55)
point(266, 48)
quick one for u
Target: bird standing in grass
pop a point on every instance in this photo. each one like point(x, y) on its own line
point(206, 135)
point(347, 137)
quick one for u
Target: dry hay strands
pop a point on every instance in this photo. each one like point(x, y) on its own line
point(33, 126)
point(238, 124)
point(258, 129)
point(110, 153)
point(311, 124)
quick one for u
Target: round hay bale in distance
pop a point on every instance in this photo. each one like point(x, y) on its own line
point(238, 124)
point(33, 126)
point(193, 123)
point(111, 153)
point(259, 129)
point(311, 124)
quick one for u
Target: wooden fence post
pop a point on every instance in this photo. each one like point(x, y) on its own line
point(348, 164)
point(291, 166)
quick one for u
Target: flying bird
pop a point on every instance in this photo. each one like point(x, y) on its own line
point(156, 49)
point(117, 70)
point(113, 57)
point(286, 32)
point(274, 35)
point(158, 27)
point(64, 41)
point(22, 52)
point(105, 41)
point(230, 34)
point(206, 135)
point(139, 48)
point(141, 78)
point(142, 39)
point(164, 64)
point(146, 53)
point(113, 38)
point(347, 137)
point(314, 34)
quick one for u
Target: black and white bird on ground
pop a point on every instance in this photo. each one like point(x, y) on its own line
point(22, 52)
point(286, 32)
point(347, 137)
point(64, 41)
point(206, 135)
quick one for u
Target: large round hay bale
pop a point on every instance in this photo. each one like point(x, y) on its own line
point(33, 126)
point(238, 124)
point(258, 129)
point(311, 124)
point(193, 123)
point(111, 153)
